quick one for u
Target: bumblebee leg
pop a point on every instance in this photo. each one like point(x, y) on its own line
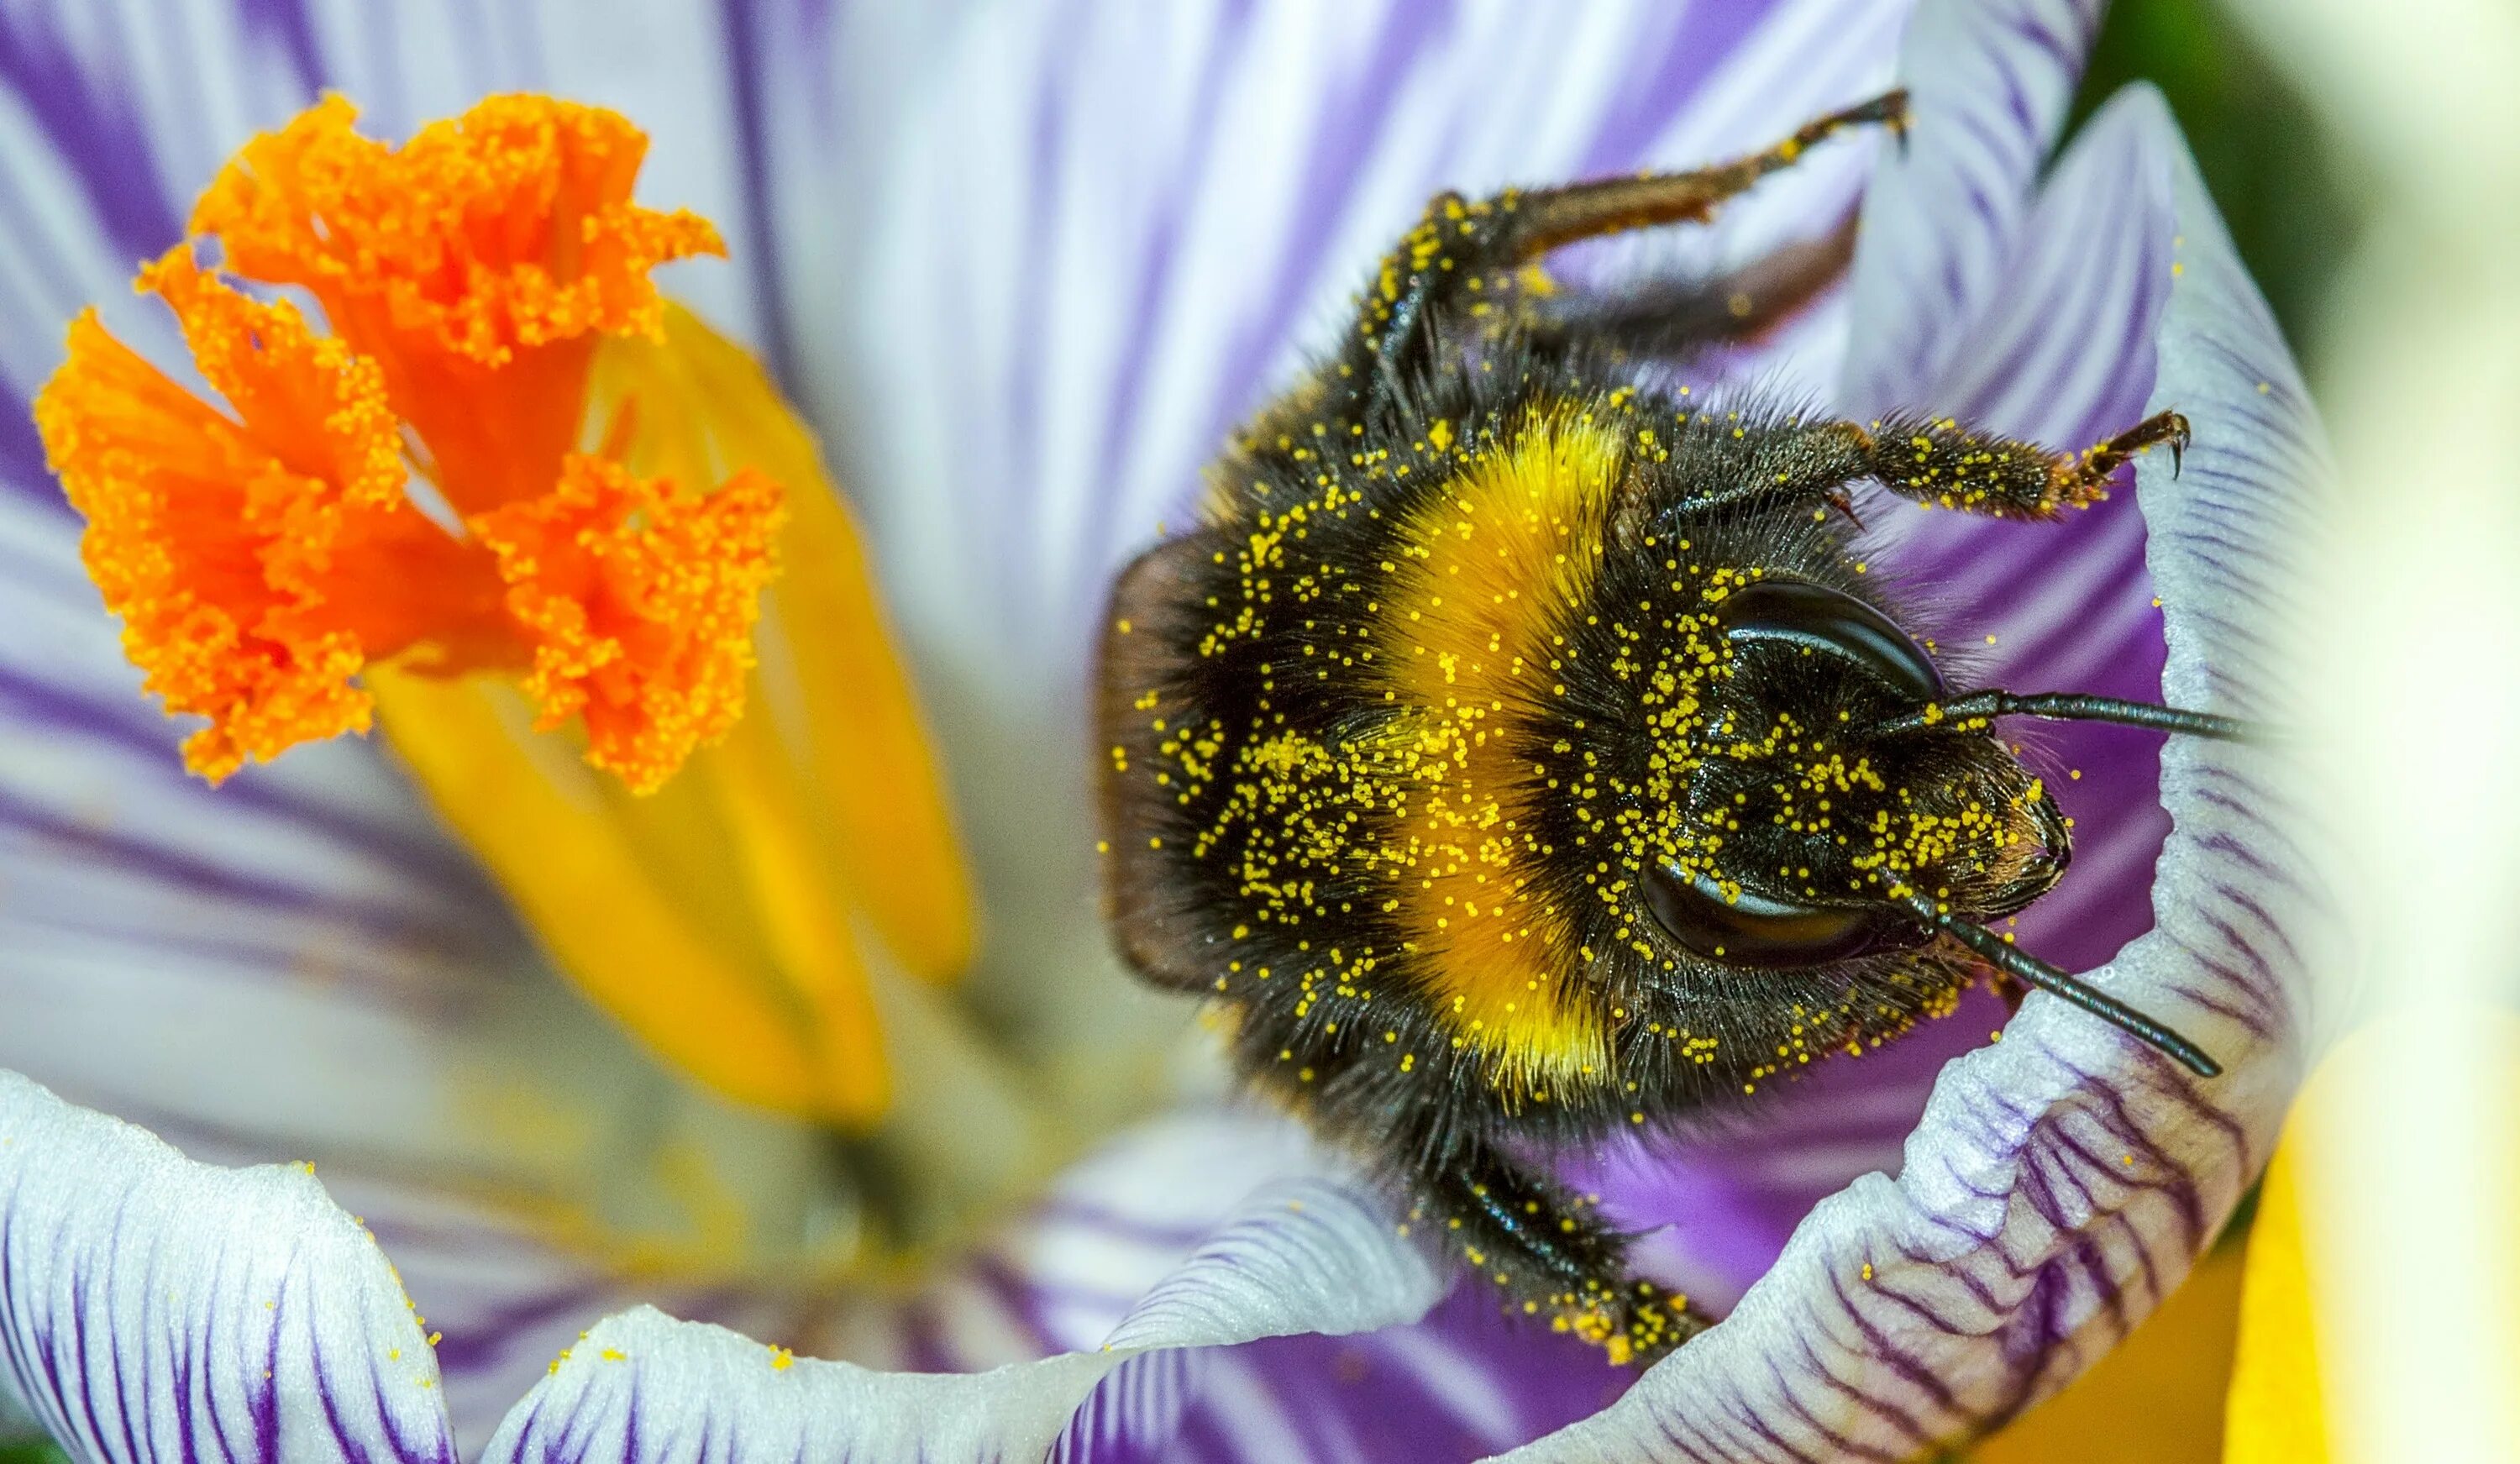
point(1941, 462)
point(1934, 460)
point(1550, 1253)
point(1667, 319)
point(1463, 254)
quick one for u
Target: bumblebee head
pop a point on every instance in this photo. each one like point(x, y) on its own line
point(1806, 826)
point(1847, 805)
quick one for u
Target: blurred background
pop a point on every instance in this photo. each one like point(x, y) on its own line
point(2280, 174)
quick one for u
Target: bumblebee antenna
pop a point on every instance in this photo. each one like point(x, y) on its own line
point(2014, 962)
point(2068, 706)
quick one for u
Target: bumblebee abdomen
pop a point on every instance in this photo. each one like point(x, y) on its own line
point(1486, 581)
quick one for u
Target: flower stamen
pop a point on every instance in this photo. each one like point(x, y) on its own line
point(262, 558)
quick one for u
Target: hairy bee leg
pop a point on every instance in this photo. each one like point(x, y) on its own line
point(1940, 460)
point(1550, 1253)
point(1545, 219)
point(1668, 318)
point(1465, 249)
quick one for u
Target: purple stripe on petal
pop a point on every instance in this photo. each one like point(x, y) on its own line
point(1703, 39)
point(1155, 285)
point(36, 829)
point(22, 454)
point(1357, 113)
point(287, 26)
point(1459, 1386)
point(30, 707)
point(1989, 83)
point(153, 1309)
point(93, 126)
point(642, 1386)
point(745, 64)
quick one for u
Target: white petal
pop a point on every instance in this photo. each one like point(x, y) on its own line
point(1987, 85)
point(2062, 1183)
point(1097, 241)
point(156, 1309)
point(2062, 354)
point(644, 1389)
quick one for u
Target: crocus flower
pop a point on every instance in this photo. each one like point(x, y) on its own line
point(578, 1059)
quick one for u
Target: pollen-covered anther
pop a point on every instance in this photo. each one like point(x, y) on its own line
point(478, 263)
point(637, 597)
point(509, 226)
point(263, 555)
point(259, 557)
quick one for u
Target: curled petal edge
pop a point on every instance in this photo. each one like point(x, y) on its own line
point(1306, 1256)
point(2063, 1181)
point(152, 1308)
point(155, 1308)
point(1992, 80)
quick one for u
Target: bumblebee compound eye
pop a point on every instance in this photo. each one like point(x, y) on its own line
point(1765, 932)
point(1832, 623)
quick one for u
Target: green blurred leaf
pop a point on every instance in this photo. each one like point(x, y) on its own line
point(2274, 169)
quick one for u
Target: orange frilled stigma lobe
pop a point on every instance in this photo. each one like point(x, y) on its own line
point(260, 556)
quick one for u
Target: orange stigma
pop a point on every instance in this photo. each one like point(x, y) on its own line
point(262, 556)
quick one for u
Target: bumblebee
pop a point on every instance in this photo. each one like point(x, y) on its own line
point(1518, 751)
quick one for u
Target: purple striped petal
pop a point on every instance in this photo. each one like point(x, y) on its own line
point(149, 1302)
point(1097, 239)
point(2062, 1183)
point(156, 1309)
point(1989, 81)
point(642, 1388)
point(1462, 1385)
point(511, 1293)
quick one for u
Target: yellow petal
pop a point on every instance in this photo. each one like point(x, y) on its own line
point(2275, 1416)
point(647, 905)
point(2357, 1302)
point(2158, 1397)
point(704, 407)
point(719, 919)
